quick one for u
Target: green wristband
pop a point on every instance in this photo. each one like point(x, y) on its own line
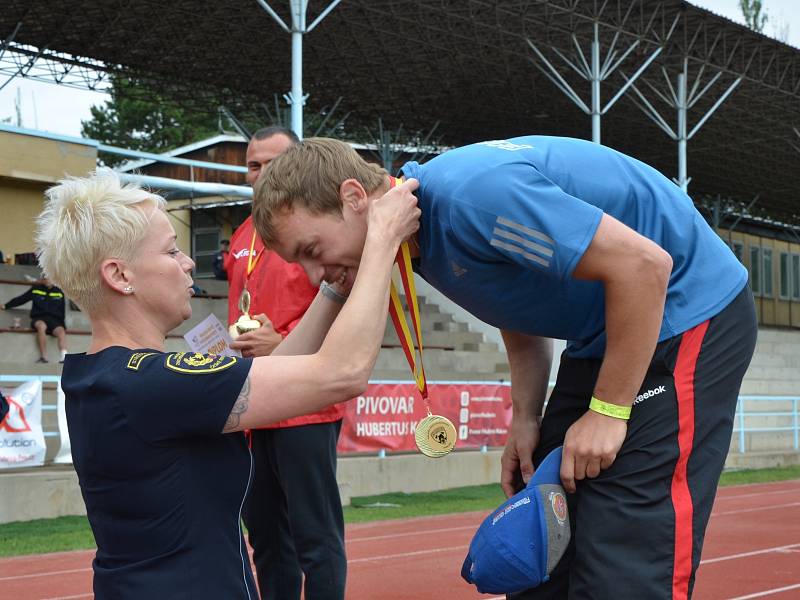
point(610, 410)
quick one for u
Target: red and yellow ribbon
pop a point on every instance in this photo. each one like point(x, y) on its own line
point(251, 264)
point(403, 261)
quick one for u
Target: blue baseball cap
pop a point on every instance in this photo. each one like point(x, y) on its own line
point(519, 544)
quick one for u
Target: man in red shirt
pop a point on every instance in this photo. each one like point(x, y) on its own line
point(293, 512)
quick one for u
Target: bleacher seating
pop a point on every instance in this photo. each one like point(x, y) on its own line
point(452, 352)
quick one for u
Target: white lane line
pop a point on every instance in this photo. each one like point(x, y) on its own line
point(70, 597)
point(759, 509)
point(410, 533)
point(768, 592)
point(37, 557)
point(45, 574)
point(758, 495)
point(746, 554)
point(407, 554)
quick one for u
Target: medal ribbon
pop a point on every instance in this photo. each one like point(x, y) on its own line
point(403, 261)
point(251, 264)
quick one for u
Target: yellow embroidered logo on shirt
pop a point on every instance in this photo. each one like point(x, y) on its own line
point(194, 363)
point(136, 359)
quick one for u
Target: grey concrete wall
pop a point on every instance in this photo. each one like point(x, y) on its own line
point(53, 491)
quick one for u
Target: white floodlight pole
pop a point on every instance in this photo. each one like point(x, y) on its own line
point(299, 8)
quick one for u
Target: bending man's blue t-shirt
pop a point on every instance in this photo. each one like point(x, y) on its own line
point(505, 222)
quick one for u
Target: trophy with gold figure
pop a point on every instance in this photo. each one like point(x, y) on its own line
point(244, 323)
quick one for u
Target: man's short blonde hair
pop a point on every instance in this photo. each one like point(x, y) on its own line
point(308, 176)
point(85, 221)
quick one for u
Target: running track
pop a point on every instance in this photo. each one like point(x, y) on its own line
point(752, 550)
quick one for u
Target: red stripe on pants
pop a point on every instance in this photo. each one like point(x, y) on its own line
point(681, 496)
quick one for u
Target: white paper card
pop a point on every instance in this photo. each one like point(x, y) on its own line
point(210, 337)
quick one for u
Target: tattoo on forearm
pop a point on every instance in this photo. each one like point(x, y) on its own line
point(239, 408)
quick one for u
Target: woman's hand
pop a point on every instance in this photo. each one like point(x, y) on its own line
point(395, 216)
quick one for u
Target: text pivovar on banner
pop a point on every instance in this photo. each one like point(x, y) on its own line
point(386, 415)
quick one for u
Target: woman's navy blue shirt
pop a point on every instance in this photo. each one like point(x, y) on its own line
point(163, 486)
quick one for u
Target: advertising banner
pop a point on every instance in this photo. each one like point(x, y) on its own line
point(386, 416)
point(21, 436)
point(64, 455)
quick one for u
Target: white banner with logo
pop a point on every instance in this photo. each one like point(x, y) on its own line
point(64, 455)
point(21, 436)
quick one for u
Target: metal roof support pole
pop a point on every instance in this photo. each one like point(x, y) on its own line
point(681, 105)
point(746, 211)
point(296, 99)
point(797, 133)
point(682, 100)
point(595, 81)
point(594, 73)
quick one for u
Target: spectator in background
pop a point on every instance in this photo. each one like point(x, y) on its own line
point(220, 258)
point(47, 315)
point(3, 407)
point(293, 512)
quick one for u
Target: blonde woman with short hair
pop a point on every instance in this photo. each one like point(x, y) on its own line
point(157, 437)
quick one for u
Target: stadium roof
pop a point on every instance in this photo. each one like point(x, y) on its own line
point(466, 64)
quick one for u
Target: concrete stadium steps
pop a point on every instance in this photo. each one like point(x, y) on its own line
point(20, 352)
point(479, 364)
point(775, 368)
point(453, 352)
point(764, 441)
point(201, 308)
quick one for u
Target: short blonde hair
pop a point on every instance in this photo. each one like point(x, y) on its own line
point(85, 221)
point(308, 175)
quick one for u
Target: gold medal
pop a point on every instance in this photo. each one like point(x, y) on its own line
point(244, 323)
point(435, 436)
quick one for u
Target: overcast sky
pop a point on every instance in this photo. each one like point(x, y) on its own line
point(59, 109)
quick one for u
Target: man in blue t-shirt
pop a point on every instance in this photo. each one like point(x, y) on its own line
point(549, 237)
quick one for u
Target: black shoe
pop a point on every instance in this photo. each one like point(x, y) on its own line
point(42, 359)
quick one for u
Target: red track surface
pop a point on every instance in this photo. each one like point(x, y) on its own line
point(752, 550)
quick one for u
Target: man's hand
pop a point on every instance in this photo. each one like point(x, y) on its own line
point(591, 445)
point(260, 342)
point(516, 464)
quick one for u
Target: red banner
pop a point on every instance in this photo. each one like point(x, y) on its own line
point(386, 416)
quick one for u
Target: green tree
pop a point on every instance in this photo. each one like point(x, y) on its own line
point(754, 14)
point(140, 119)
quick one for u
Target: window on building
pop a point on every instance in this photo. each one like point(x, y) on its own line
point(205, 243)
point(738, 250)
point(785, 283)
point(766, 275)
point(795, 276)
point(755, 270)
